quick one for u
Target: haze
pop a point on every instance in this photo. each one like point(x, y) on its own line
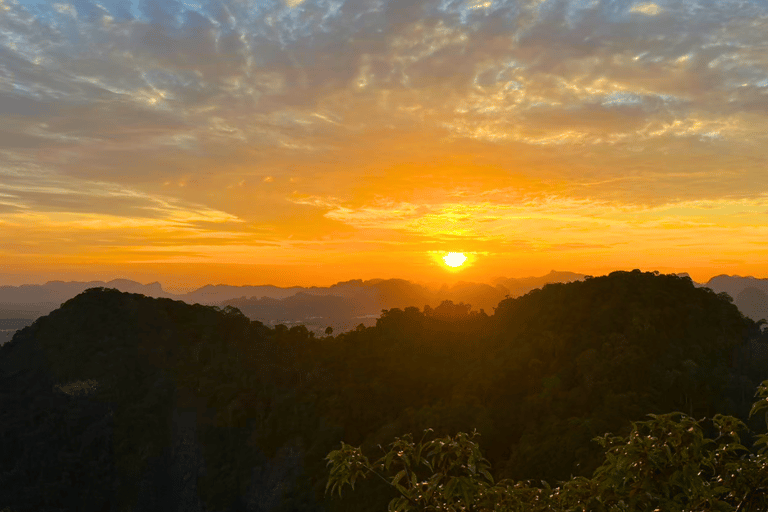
point(311, 142)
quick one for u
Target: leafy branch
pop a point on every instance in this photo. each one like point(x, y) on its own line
point(665, 463)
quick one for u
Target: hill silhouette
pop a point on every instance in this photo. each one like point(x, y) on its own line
point(341, 306)
point(27, 302)
point(520, 286)
point(117, 399)
point(753, 303)
point(733, 285)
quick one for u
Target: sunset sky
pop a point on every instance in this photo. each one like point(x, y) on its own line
point(308, 142)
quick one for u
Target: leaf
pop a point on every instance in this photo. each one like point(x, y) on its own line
point(449, 490)
point(418, 452)
point(487, 475)
point(758, 406)
point(465, 488)
point(388, 459)
point(399, 504)
point(398, 476)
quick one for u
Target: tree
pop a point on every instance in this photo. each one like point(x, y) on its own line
point(328, 330)
point(449, 311)
point(459, 478)
point(665, 463)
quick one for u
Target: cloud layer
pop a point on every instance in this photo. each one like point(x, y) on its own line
point(265, 132)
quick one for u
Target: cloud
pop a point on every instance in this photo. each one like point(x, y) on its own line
point(323, 118)
point(648, 8)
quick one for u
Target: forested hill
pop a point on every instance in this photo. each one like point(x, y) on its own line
point(155, 403)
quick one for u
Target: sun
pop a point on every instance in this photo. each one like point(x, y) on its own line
point(454, 259)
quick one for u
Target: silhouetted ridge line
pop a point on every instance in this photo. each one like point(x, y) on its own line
point(155, 404)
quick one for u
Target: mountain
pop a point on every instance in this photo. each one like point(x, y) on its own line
point(342, 306)
point(479, 295)
point(521, 286)
point(31, 301)
point(753, 303)
point(315, 311)
point(118, 401)
point(749, 293)
point(9, 326)
point(345, 305)
point(733, 285)
point(215, 294)
point(34, 300)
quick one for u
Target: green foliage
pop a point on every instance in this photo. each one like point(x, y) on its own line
point(442, 474)
point(761, 406)
point(664, 463)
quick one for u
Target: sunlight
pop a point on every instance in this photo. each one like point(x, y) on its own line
point(454, 259)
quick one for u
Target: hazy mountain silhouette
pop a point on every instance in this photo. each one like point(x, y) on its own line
point(733, 285)
point(517, 286)
point(9, 326)
point(216, 294)
point(315, 311)
point(33, 300)
point(479, 295)
point(342, 306)
point(345, 305)
point(750, 294)
point(753, 303)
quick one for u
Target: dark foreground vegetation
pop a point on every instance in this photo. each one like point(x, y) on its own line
point(116, 401)
point(665, 464)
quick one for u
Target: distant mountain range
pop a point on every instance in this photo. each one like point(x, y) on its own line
point(750, 294)
point(341, 306)
point(34, 297)
point(522, 285)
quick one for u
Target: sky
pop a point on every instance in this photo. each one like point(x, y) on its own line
point(309, 142)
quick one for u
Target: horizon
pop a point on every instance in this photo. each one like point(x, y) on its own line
point(304, 142)
point(182, 289)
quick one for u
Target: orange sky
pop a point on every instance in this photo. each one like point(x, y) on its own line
point(305, 143)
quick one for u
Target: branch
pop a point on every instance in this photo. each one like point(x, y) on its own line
point(749, 495)
point(416, 504)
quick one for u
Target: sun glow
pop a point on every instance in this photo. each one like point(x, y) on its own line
point(454, 259)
